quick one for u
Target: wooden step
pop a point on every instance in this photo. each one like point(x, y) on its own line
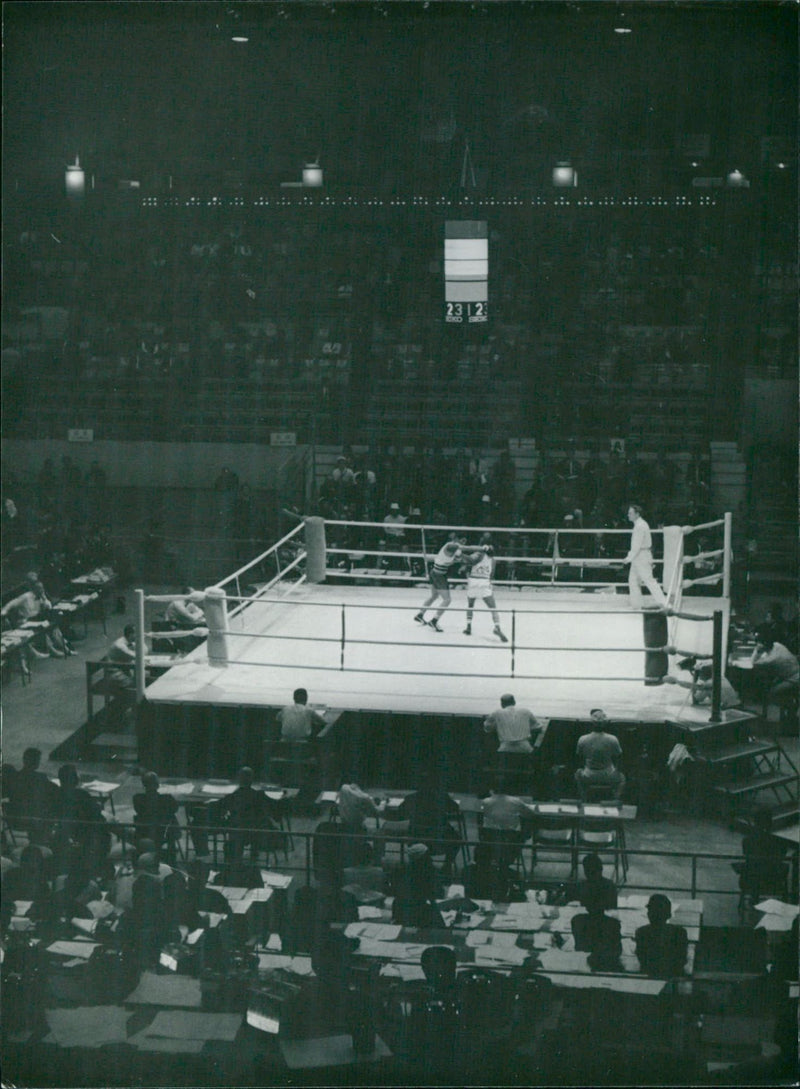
point(731, 753)
point(752, 786)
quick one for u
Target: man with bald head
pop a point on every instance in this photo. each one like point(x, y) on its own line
point(516, 727)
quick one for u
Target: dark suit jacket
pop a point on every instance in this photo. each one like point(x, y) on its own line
point(662, 949)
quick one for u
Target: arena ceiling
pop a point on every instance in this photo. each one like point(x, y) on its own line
point(391, 94)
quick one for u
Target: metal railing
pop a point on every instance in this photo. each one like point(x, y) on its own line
point(298, 854)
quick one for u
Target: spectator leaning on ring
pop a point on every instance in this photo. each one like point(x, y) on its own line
point(298, 721)
point(516, 727)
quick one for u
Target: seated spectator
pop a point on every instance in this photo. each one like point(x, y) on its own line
point(155, 814)
point(123, 651)
point(503, 818)
point(31, 798)
point(599, 753)
point(146, 926)
point(34, 605)
point(355, 805)
point(247, 812)
point(28, 881)
point(429, 812)
point(661, 947)
point(775, 669)
point(198, 897)
point(763, 868)
point(299, 722)
point(74, 888)
point(783, 630)
point(516, 727)
point(598, 934)
point(595, 888)
point(79, 820)
point(413, 905)
point(185, 612)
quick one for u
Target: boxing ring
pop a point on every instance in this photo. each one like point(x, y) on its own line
point(330, 608)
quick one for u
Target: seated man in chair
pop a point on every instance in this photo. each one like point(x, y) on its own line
point(155, 814)
point(660, 946)
point(248, 814)
point(599, 753)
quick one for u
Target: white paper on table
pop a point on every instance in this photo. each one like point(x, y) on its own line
point(259, 895)
point(214, 918)
point(407, 972)
point(88, 926)
point(600, 811)
point(101, 909)
point(775, 923)
point(567, 962)
point(386, 932)
point(275, 795)
point(301, 966)
point(508, 922)
point(177, 788)
point(276, 880)
point(270, 961)
point(630, 985)
point(100, 787)
point(633, 900)
point(240, 907)
point(233, 892)
point(498, 954)
point(366, 911)
point(73, 949)
point(778, 907)
point(218, 788)
point(328, 796)
point(486, 937)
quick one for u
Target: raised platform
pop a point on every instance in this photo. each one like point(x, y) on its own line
point(359, 647)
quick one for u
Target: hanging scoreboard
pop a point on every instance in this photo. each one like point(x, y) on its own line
point(466, 270)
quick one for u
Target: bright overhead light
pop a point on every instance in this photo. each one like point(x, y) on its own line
point(622, 30)
point(239, 38)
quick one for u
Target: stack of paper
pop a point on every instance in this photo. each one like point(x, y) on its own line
point(777, 915)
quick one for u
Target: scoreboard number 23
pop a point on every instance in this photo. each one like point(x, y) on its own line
point(469, 311)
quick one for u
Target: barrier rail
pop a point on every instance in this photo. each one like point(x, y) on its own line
point(127, 833)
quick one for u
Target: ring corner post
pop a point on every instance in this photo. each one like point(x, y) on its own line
point(139, 663)
point(716, 674)
point(215, 608)
point(316, 548)
point(726, 556)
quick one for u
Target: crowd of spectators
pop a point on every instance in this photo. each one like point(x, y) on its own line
point(462, 488)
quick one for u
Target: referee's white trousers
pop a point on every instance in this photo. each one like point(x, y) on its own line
point(641, 574)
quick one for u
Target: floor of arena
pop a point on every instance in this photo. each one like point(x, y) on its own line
point(359, 647)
